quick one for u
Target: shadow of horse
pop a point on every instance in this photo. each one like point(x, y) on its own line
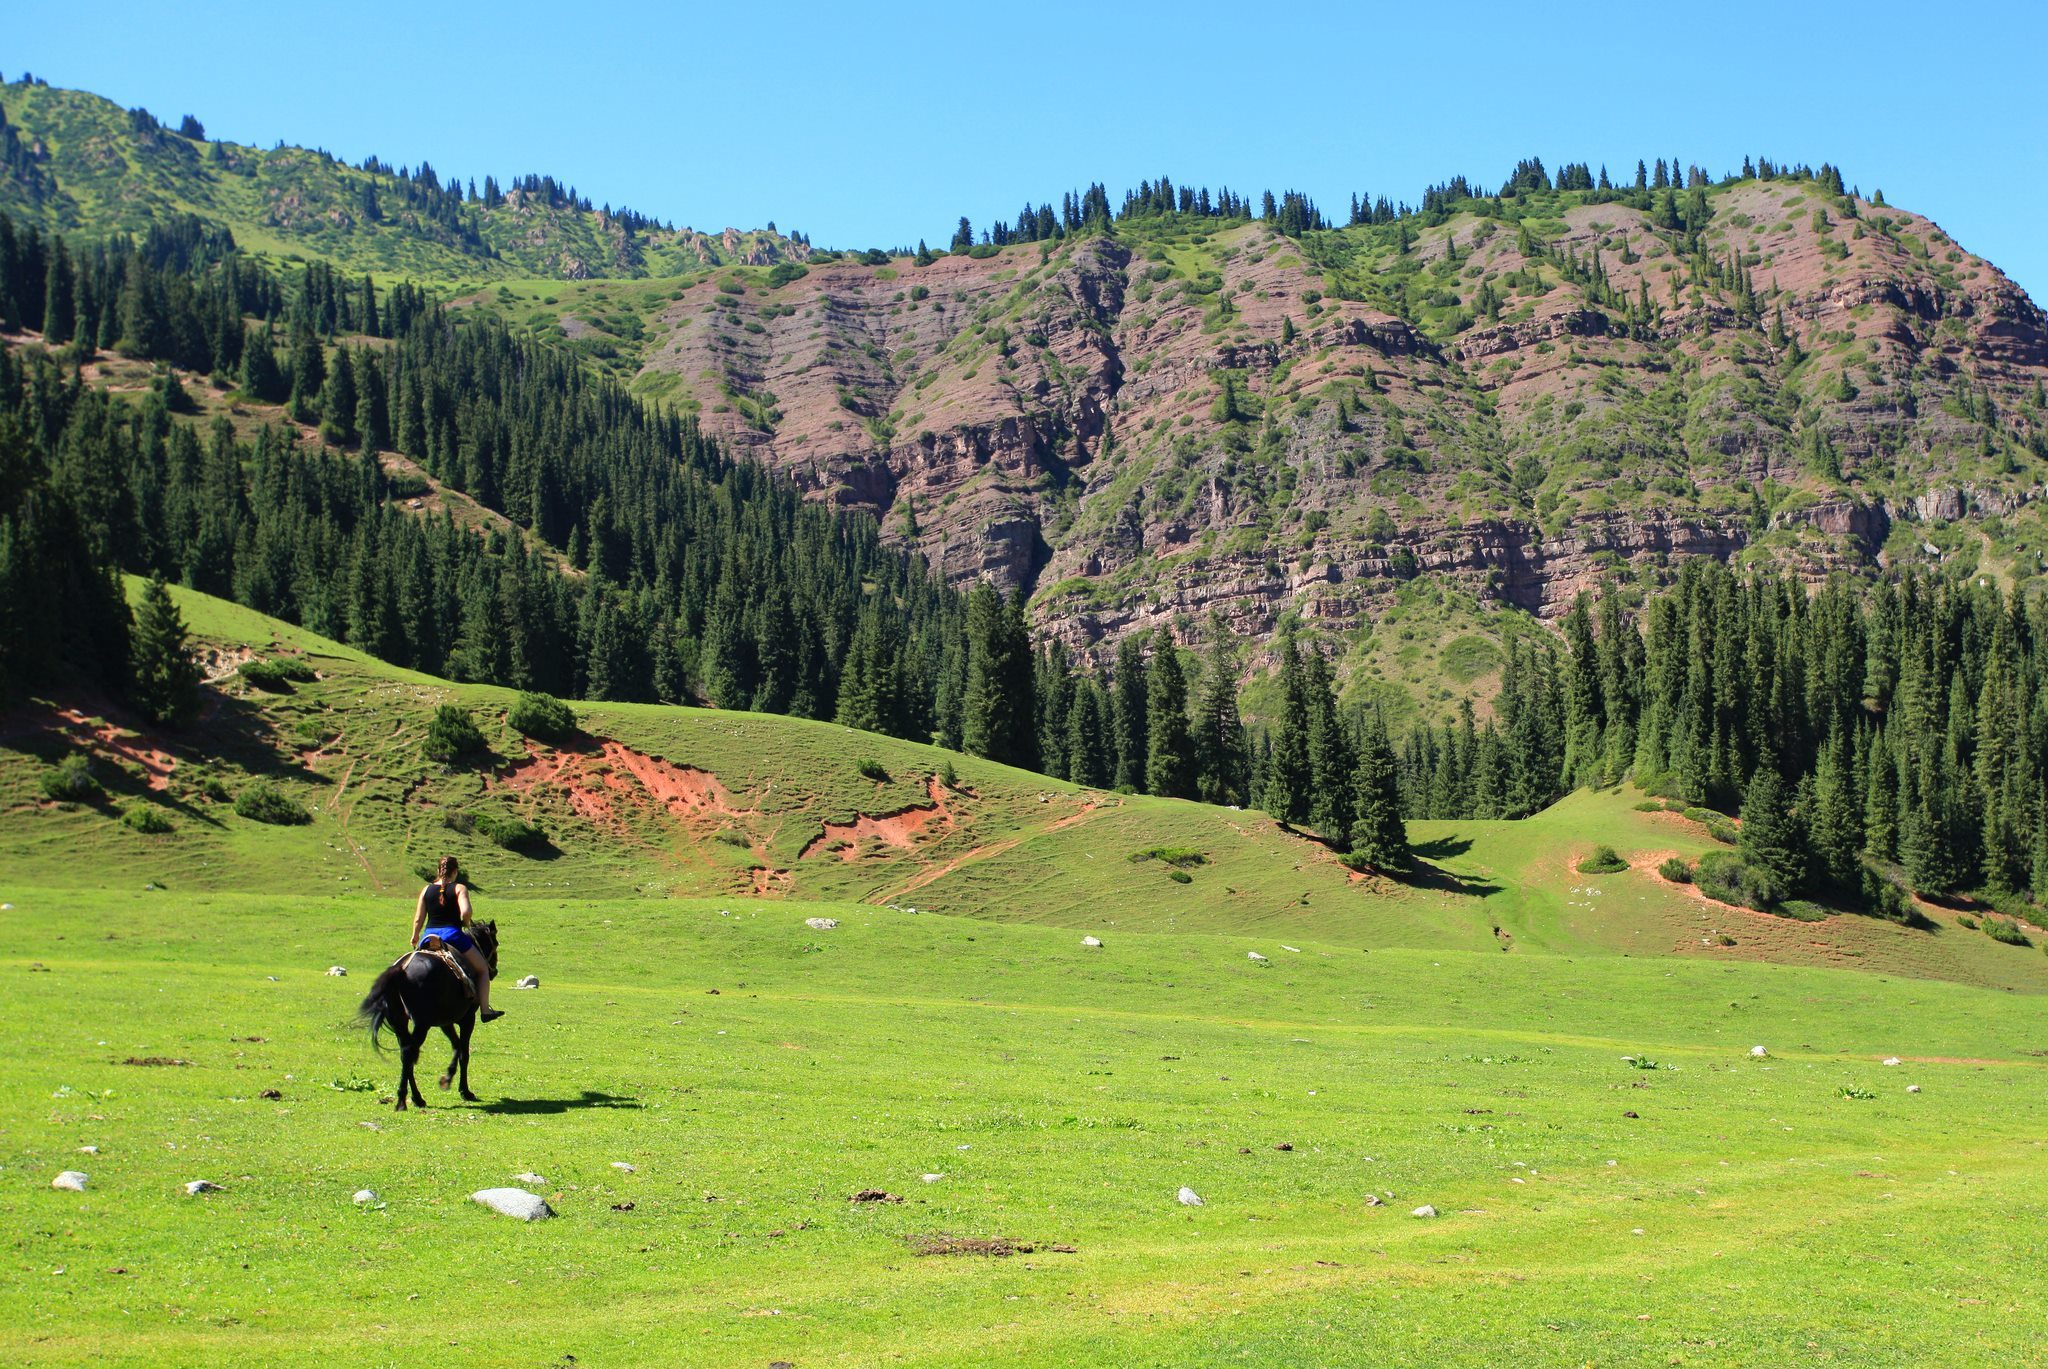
point(533, 1107)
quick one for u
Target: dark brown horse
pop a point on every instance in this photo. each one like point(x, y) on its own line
point(419, 994)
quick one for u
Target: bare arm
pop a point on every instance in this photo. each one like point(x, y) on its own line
point(419, 918)
point(462, 902)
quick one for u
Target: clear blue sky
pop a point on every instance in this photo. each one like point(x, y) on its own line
point(871, 125)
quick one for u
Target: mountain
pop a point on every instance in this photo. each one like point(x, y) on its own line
point(74, 162)
point(1163, 413)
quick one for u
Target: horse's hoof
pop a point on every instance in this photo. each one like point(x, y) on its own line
point(469, 1097)
point(445, 1082)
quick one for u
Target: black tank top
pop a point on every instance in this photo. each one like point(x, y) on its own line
point(442, 909)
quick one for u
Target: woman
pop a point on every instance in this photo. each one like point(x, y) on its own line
point(445, 904)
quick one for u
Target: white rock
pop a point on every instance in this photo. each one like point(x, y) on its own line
point(821, 924)
point(1912, 1088)
point(527, 1176)
point(514, 1202)
point(1892, 1060)
point(70, 1179)
point(337, 972)
point(88, 1150)
point(1091, 941)
point(1295, 949)
point(931, 1178)
point(1254, 956)
point(365, 1196)
point(1424, 1211)
point(1758, 1051)
point(198, 1186)
point(1189, 1198)
point(622, 1167)
point(531, 981)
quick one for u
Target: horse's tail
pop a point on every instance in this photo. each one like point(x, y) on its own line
point(382, 1005)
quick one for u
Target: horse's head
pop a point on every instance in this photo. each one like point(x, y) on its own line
point(486, 934)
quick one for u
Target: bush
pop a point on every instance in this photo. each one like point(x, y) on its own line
point(263, 801)
point(514, 834)
point(275, 676)
point(1723, 876)
point(1180, 877)
point(71, 781)
point(2006, 931)
point(872, 770)
point(1179, 857)
point(1717, 824)
point(452, 734)
point(1677, 870)
point(1965, 920)
point(147, 820)
point(1650, 806)
point(1800, 910)
point(1603, 861)
point(542, 717)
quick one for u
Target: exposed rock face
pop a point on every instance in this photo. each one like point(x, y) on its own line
point(1145, 427)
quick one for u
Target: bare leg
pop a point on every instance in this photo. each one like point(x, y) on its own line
point(481, 969)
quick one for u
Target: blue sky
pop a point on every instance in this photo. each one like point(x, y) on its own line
point(865, 125)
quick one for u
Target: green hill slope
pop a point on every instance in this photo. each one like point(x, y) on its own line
point(657, 801)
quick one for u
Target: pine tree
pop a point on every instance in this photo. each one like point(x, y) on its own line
point(1288, 776)
point(1132, 721)
point(1771, 838)
point(1835, 827)
point(1379, 838)
point(1332, 761)
point(1169, 749)
point(1219, 731)
point(164, 678)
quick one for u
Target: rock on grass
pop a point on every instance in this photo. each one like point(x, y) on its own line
point(71, 1180)
point(514, 1202)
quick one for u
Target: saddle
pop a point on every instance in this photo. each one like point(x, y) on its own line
point(436, 949)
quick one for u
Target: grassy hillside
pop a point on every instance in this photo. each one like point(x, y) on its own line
point(657, 801)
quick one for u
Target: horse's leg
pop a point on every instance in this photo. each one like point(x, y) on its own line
point(462, 1054)
point(411, 1055)
point(448, 1075)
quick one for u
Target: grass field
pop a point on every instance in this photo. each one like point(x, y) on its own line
point(1456, 1041)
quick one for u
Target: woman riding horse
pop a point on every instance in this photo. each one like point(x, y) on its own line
point(445, 904)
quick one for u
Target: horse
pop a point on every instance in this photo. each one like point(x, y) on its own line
point(418, 994)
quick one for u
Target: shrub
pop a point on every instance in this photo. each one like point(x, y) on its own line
point(543, 717)
point(452, 734)
point(263, 801)
point(514, 834)
point(1965, 920)
point(2006, 931)
point(1676, 805)
point(871, 769)
point(207, 785)
point(1650, 806)
point(733, 836)
point(1722, 875)
point(147, 820)
point(1723, 831)
point(1603, 861)
point(1641, 1062)
point(1179, 857)
point(948, 776)
point(1800, 910)
point(1677, 870)
point(275, 676)
point(1180, 877)
point(71, 781)
point(1853, 1091)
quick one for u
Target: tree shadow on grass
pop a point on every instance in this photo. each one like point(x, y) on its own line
point(532, 1107)
point(1421, 874)
point(1443, 848)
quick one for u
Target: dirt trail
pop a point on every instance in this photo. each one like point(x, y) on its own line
point(987, 850)
point(157, 765)
point(596, 782)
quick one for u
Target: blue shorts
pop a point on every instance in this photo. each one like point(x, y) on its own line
point(454, 936)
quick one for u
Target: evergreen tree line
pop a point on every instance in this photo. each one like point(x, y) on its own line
point(1862, 732)
point(635, 562)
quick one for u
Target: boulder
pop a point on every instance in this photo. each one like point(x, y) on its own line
point(931, 1178)
point(1255, 957)
point(364, 1197)
point(622, 1167)
point(199, 1186)
point(531, 981)
point(1912, 1088)
point(1758, 1051)
point(821, 924)
point(1891, 1060)
point(1091, 941)
point(337, 972)
point(514, 1202)
point(527, 1176)
point(70, 1179)
point(1424, 1211)
point(1189, 1198)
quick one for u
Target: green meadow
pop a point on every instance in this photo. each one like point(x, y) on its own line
point(1558, 1064)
